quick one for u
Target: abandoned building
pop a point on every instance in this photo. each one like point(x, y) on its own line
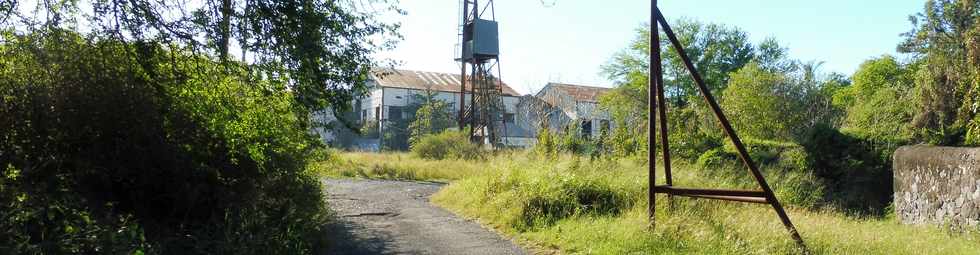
point(560, 107)
point(391, 91)
point(576, 105)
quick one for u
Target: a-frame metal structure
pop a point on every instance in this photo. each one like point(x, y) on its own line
point(658, 110)
point(479, 45)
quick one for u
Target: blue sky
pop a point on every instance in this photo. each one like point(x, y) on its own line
point(569, 40)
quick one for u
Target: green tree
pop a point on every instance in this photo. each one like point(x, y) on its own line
point(715, 49)
point(877, 102)
point(323, 48)
point(432, 117)
point(946, 39)
point(764, 104)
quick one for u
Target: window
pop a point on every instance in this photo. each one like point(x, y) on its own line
point(586, 128)
point(394, 113)
point(509, 118)
point(363, 114)
point(377, 113)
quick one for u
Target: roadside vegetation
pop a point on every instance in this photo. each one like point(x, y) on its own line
point(824, 141)
point(574, 204)
point(142, 134)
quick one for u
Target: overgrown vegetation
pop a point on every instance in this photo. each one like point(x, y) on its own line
point(577, 205)
point(141, 134)
point(109, 148)
point(401, 166)
point(844, 128)
point(450, 144)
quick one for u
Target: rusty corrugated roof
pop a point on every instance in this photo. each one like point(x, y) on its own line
point(421, 80)
point(580, 93)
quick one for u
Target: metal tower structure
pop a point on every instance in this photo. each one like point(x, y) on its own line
point(479, 53)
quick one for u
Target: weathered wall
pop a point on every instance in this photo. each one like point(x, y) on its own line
point(938, 185)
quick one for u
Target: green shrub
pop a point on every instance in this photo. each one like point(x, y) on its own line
point(767, 151)
point(116, 147)
point(450, 144)
point(546, 143)
point(856, 170)
point(537, 192)
point(786, 166)
point(715, 158)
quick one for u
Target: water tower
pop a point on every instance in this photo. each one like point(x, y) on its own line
point(479, 51)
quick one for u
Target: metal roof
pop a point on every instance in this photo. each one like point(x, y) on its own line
point(579, 93)
point(397, 78)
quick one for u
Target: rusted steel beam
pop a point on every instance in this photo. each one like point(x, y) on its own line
point(743, 153)
point(658, 77)
point(651, 130)
point(758, 200)
point(462, 72)
point(709, 192)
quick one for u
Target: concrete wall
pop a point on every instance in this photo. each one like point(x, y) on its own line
point(937, 185)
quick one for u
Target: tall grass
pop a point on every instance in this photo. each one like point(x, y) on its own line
point(402, 166)
point(580, 206)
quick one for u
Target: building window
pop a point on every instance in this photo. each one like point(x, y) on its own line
point(363, 114)
point(586, 128)
point(394, 113)
point(377, 113)
point(509, 118)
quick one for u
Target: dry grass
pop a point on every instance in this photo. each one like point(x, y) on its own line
point(527, 196)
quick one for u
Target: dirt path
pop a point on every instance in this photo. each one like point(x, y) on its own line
point(395, 217)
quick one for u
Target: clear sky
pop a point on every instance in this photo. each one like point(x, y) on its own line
point(569, 40)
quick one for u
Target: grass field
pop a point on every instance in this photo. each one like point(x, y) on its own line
point(577, 206)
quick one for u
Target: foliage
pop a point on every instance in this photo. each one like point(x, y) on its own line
point(450, 144)
point(580, 206)
point(432, 117)
point(323, 48)
point(877, 101)
point(402, 166)
point(764, 104)
point(571, 140)
point(118, 147)
point(946, 40)
point(856, 170)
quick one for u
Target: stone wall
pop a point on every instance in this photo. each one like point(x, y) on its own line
point(937, 185)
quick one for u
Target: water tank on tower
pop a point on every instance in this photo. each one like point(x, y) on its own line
point(481, 42)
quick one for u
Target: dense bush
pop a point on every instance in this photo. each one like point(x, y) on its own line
point(450, 144)
point(537, 192)
point(113, 147)
point(787, 168)
point(856, 169)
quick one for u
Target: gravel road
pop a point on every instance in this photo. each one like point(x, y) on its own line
point(395, 217)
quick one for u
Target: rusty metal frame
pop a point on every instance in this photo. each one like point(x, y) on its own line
point(658, 110)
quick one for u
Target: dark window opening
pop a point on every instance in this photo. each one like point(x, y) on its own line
point(394, 113)
point(377, 113)
point(586, 128)
point(509, 118)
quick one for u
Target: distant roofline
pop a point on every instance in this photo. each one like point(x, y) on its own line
point(549, 84)
point(380, 70)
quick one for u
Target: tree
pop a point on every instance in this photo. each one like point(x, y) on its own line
point(432, 117)
point(775, 58)
point(764, 104)
point(322, 47)
point(877, 103)
point(716, 50)
point(946, 40)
